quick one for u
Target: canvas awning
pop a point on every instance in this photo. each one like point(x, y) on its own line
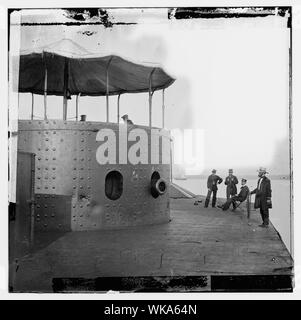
point(92, 76)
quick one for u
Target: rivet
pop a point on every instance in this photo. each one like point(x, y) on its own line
point(74, 178)
point(74, 187)
point(53, 168)
point(46, 149)
point(53, 149)
point(54, 132)
point(53, 158)
point(47, 139)
point(45, 215)
point(53, 178)
point(53, 187)
point(82, 140)
point(74, 159)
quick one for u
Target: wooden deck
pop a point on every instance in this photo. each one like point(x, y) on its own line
point(197, 242)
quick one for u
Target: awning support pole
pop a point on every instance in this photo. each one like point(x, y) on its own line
point(32, 105)
point(163, 110)
point(77, 100)
point(45, 94)
point(107, 88)
point(150, 94)
point(66, 80)
point(118, 108)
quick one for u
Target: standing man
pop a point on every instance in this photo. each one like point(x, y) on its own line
point(263, 195)
point(212, 182)
point(231, 182)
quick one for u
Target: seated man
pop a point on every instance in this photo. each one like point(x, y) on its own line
point(242, 196)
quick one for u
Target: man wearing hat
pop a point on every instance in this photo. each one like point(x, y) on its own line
point(242, 196)
point(263, 195)
point(126, 119)
point(212, 182)
point(231, 182)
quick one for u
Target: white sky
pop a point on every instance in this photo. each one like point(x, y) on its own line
point(231, 79)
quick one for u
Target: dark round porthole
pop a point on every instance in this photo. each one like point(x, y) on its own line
point(114, 185)
point(158, 185)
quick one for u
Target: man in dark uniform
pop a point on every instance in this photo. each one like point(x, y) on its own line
point(212, 182)
point(242, 196)
point(231, 182)
point(263, 195)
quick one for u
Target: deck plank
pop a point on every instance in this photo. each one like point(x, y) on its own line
point(196, 242)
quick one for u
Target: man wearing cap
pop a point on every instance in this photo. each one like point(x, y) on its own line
point(126, 119)
point(263, 195)
point(231, 182)
point(242, 196)
point(212, 182)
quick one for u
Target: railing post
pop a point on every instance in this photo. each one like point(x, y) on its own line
point(32, 105)
point(150, 94)
point(163, 110)
point(107, 88)
point(118, 108)
point(77, 101)
point(66, 80)
point(248, 205)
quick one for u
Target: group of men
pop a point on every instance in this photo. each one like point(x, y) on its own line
point(263, 192)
